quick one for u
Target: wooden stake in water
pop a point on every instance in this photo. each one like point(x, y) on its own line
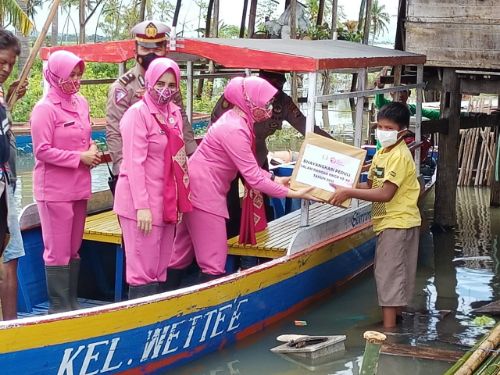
point(374, 341)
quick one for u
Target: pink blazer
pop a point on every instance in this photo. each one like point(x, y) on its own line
point(61, 131)
point(225, 150)
point(141, 180)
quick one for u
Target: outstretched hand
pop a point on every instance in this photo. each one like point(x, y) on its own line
point(304, 193)
point(340, 195)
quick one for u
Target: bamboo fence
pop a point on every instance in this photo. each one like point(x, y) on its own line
point(476, 149)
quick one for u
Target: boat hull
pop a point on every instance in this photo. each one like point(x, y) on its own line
point(160, 332)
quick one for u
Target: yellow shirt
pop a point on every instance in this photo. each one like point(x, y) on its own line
point(396, 166)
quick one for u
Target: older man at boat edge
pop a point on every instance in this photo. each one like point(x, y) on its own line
point(9, 50)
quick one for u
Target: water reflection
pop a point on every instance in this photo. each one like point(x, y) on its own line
point(456, 273)
point(24, 189)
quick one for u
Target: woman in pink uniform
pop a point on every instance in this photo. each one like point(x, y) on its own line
point(64, 153)
point(226, 149)
point(153, 186)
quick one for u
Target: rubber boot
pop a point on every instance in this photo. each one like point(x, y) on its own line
point(74, 271)
point(204, 277)
point(174, 279)
point(58, 288)
point(143, 290)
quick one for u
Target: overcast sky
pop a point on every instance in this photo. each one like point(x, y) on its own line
point(230, 13)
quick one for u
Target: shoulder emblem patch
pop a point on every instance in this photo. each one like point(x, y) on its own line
point(126, 78)
point(120, 94)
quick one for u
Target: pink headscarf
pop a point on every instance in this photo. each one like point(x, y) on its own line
point(256, 90)
point(176, 189)
point(156, 69)
point(59, 67)
point(245, 93)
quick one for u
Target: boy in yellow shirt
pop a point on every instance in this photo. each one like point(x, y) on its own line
point(394, 189)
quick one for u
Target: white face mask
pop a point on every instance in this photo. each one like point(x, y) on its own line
point(387, 138)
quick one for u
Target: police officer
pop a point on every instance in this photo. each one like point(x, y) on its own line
point(150, 42)
point(284, 109)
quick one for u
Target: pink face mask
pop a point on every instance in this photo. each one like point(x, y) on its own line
point(262, 114)
point(162, 96)
point(69, 86)
point(259, 114)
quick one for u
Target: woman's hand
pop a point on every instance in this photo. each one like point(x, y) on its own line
point(91, 156)
point(144, 220)
point(340, 195)
point(282, 180)
point(304, 193)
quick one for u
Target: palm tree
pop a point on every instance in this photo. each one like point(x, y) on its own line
point(12, 13)
point(380, 19)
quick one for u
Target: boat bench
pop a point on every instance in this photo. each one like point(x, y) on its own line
point(104, 228)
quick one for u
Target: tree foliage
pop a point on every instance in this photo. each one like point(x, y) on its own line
point(11, 13)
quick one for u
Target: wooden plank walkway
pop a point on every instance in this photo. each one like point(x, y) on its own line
point(271, 243)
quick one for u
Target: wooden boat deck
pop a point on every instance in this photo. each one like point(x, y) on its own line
point(273, 242)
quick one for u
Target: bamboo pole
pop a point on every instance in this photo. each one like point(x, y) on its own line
point(476, 358)
point(374, 341)
point(480, 161)
point(34, 52)
point(461, 147)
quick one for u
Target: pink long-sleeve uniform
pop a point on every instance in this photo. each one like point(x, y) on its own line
point(225, 150)
point(141, 183)
point(61, 131)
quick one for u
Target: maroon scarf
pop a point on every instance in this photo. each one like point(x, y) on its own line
point(253, 212)
point(176, 192)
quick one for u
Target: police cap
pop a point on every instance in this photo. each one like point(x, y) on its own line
point(150, 34)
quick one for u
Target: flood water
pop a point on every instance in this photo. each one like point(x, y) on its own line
point(456, 271)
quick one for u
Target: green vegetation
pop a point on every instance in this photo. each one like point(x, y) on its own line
point(96, 94)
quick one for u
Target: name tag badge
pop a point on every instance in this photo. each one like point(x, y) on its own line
point(69, 123)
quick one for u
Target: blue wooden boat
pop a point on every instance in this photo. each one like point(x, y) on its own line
point(313, 252)
point(169, 329)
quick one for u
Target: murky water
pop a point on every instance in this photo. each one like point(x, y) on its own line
point(457, 271)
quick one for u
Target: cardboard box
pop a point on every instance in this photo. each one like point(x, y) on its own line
point(323, 161)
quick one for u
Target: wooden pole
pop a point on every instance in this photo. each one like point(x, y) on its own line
point(251, 18)
point(374, 341)
point(335, 12)
point(495, 183)
point(368, 21)
point(474, 358)
point(321, 10)
point(243, 18)
point(445, 214)
point(293, 35)
point(34, 52)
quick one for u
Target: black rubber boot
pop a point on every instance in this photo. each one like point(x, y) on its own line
point(204, 277)
point(174, 279)
point(143, 290)
point(58, 288)
point(74, 271)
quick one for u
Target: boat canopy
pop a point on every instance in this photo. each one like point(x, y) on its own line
point(272, 54)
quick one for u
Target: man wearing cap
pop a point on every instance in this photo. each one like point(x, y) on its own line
point(284, 109)
point(150, 43)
